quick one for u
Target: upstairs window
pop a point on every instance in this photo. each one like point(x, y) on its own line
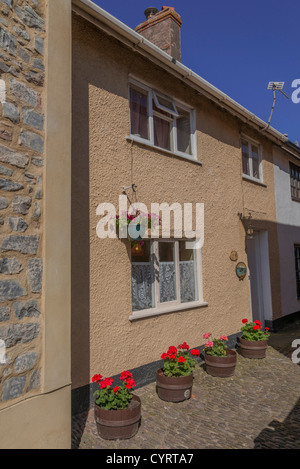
point(251, 159)
point(295, 182)
point(161, 122)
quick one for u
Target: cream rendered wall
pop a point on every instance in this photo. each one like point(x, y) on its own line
point(104, 340)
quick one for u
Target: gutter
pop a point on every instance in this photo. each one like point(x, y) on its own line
point(114, 27)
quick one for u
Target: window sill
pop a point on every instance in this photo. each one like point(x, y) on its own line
point(147, 313)
point(256, 181)
point(295, 199)
point(162, 150)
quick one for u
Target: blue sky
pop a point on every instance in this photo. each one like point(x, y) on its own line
point(238, 46)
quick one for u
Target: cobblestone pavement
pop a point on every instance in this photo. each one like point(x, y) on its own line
point(258, 407)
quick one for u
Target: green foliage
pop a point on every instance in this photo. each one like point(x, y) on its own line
point(218, 349)
point(254, 331)
point(115, 398)
point(179, 362)
point(107, 399)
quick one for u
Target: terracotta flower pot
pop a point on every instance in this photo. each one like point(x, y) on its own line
point(173, 388)
point(253, 348)
point(118, 424)
point(221, 367)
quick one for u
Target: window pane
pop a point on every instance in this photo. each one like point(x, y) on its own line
point(167, 272)
point(139, 113)
point(142, 277)
point(255, 161)
point(142, 280)
point(184, 132)
point(162, 130)
point(188, 275)
point(245, 156)
point(164, 104)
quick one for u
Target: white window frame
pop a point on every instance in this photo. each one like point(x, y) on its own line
point(176, 305)
point(251, 142)
point(154, 95)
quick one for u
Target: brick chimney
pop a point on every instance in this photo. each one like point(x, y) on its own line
point(162, 28)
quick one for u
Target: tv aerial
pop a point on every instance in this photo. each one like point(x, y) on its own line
point(275, 86)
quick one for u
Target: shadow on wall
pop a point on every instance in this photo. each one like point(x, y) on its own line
point(281, 435)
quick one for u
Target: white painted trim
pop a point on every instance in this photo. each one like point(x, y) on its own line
point(134, 138)
point(147, 313)
point(252, 179)
point(250, 142)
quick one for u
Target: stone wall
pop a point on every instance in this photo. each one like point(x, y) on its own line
point(22, 36)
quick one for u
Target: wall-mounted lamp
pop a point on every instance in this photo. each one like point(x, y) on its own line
point(247, 222)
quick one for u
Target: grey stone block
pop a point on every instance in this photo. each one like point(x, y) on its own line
point(21, 204)
point(26, 309)
point(32, 140)
point(39, 45)
point(13, 387)
point(30, 17)
point(3, 203)
point(7, 41)
point(10, 265)
point(11, 290)
point(19, 333)
point(32, 118)
point(35, 273)
point(25, 362)
point(10, 186)
point(11, 112)
point(23, 244)
point(23, 92)
point(17, 224)
point(11, 157)
point(5, 171)
point(4, 313)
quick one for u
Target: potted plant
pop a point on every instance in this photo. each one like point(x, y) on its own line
point(175, 380)
point(117, 410)
point(219, 360)
point(135, 225)
point(254, 340)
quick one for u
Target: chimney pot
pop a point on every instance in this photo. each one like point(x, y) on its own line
point(150, 12)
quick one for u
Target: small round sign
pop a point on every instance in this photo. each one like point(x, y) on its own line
point(241, 270)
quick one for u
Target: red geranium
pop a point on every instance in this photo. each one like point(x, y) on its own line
point(129, 383)
point(195, 352)
point(96, 378)
point(184, 346)
point(117, 397)
point(244, 321)
point(181, 359)
point(125, 375)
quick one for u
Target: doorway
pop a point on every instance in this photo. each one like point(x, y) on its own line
point(259, 277)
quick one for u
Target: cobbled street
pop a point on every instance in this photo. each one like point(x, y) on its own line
point(257, 408)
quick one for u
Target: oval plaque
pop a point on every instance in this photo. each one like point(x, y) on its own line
point(241, 270)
